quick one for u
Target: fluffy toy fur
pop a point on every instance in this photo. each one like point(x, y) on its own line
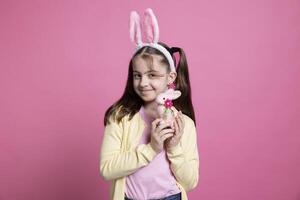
point(165, 104)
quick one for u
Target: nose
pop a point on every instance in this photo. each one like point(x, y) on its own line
point(144, 81)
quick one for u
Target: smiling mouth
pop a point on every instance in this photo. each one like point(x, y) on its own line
point(145, 91)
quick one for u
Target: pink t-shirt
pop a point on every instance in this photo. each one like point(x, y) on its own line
point(154, 180)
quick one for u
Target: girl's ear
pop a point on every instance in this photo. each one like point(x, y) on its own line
point(172, 77)
point(135, 28)
point(151, 26)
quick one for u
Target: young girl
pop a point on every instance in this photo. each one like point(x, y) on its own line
point(144, 157)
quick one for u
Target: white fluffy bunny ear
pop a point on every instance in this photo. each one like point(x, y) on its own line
point(175, 94)
point(151, 26)
point(135, 28)
point(172, 94)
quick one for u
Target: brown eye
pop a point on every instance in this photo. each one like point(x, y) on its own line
point(136, 76)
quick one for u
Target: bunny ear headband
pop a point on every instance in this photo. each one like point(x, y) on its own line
point(152, 34)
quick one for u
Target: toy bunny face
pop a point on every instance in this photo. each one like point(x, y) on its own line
point(164, 101)
point(169, 94)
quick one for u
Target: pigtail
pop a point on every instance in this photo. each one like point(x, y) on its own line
point(184, 102)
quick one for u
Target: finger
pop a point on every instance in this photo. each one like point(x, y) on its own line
point(173, 125)
point(180, 127)
point(162, 126)
point(174, 110)
point(166, 136)
point(181, 118)
point(176, 126)
point(155, 123)
point(179, 123)
point(165, 131)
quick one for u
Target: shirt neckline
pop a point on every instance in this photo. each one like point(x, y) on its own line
point(144, 115)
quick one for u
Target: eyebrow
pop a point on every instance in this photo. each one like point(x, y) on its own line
point(146, 71)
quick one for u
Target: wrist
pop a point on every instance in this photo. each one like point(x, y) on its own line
point(154, 149)
point(170, 147)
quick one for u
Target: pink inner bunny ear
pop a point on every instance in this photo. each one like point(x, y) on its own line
point(151, 26)
point(135, 28)
point(148, 29)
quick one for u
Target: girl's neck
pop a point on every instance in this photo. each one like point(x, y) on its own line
point(151, 109)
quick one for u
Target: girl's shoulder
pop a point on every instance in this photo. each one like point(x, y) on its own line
point(187, 120)
point(114, 115)
point(121, 117)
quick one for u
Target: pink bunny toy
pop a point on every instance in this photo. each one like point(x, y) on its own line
point(165, 104)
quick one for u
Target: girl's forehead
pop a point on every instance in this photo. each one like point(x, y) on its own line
point(143, 65)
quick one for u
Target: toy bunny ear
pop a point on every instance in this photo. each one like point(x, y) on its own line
point(135, 28)
point(173, 94)
point(151, 26)
point(176, 94)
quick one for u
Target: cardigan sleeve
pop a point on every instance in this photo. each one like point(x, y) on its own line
point(184, 157)
point(115, 163)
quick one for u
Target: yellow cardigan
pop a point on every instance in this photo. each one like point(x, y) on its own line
point(121, 155)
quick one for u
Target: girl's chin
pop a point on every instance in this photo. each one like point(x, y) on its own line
point(148, 100)
point(148, 96)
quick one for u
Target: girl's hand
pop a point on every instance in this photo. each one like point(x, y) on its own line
point(159, 133)
point(178, 126)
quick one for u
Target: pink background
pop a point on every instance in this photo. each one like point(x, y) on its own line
point(62, 63)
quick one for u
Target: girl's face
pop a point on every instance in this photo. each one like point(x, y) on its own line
point(150, 81)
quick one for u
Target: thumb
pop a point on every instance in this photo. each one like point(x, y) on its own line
point(174, 110)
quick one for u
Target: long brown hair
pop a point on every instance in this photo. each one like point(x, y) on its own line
point(130, 103)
